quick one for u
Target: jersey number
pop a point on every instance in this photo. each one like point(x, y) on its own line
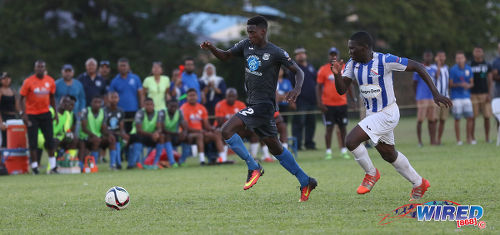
point(247, 111)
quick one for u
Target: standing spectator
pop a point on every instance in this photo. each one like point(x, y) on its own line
point(190, 80)
point(480, 92)
point(129, 88)
point(441, 82)
point(177, 89)
point(92, 83)
point(68, 86)
point(460, 83)
point(105, 72)
point(333, 105)
point(496, 76)
point(425, 101)
point(9, 105)
point(37, 94)
point(284, 86)
point(156, 86)
point(213, 88)
point(305, 102)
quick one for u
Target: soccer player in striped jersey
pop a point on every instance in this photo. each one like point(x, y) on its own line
point(373, 72)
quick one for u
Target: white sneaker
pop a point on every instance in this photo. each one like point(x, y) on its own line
point(460, 143)
point(473, 142)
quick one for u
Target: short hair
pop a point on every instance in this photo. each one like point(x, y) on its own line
point(173, 100)
point(191, 90)
point(148, 99)
point(39, 61)
point(123, 60)
point(188, 58)
point(70, 97)
point(440, 51)
point(89, 60)
point(363, 38)
point(112, 93)
point(459, 52)
point(259, 21)
point(231, 90)
point(97, 97)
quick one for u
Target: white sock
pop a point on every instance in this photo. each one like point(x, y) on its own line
point(254, 149)
point(194, 149)
point(226, 148)
point(265, 152)
point(202, 157)
point(404, 168)
point(223, 155)
point(52, 162)
point(343, 150)
point(285, 145)
point(361, 156)
point(328, 151)
point(34, 164)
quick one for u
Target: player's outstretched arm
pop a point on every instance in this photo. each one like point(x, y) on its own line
point(219, 53)
point(299, 79)
point(341, 83)
point(414, 66)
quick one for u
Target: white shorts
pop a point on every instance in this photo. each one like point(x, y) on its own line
point(380, 125)
point(462, 107)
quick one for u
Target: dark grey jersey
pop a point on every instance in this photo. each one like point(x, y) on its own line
point(261, 69)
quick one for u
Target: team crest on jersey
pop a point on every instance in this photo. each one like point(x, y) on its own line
point(253, 62)
point(265, 56)
point(374, 74)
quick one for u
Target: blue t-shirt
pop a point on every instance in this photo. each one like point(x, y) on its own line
point(458, 75)
point(283, 87)
point(75, 90)
point(191, 81)
point(127, 90)
point(423, 91)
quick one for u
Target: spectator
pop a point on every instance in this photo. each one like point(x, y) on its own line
point(441, 82)
point(9, 105)
point(199, 130)
point(480, 92)
point(190, 80)
point(284, 86)
point(495, 93)
point(114, 119)
point(129, 88)
point(460, 84)
point(105, 72)
point(333, 105)
point(156, 86)
point(177, 89)
point(305, 102)
point(173, 135)
point(213, 88)
point(92, 83)
point(37, 94)
point(68, 86)
point(425, 101)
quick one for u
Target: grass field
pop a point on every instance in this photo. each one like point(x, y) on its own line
point(210, 200)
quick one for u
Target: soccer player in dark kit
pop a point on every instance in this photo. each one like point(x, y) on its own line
point(263, 61)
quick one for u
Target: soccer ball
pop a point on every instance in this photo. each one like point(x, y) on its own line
point(117, 198)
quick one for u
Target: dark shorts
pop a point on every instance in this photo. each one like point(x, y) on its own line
point(335, 115)
point(44, 122)
point(145, 140)
point(259, 118)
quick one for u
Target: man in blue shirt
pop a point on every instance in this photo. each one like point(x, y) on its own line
point(305, 102)
point(68, 86)
point(190, 79)
point(284, 86)
point(425, 101)
point(92, 83)
point(129, 88)
point(460, 83)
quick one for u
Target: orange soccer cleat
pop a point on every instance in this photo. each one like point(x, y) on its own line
point(305, 191)
point(368, 183)
point(253, 177)
point(418, 192)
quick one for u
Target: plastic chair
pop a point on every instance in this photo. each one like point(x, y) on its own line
point(495, 107)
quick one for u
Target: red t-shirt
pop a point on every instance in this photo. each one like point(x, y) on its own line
point(194, 115)
point(329, 96)
point(37, 93)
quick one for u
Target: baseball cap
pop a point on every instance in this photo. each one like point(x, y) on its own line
point(67, 67)
point(104, 62)
point(334, 50)
point(299, 50)
point(4, 75)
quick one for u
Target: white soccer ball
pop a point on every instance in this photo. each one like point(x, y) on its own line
point(117, 198)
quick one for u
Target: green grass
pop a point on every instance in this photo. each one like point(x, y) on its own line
point(201, 200)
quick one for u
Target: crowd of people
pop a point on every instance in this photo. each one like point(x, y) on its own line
point(94, 111)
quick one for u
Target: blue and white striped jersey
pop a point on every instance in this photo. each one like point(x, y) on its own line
point(375, 79)
point(443, 81)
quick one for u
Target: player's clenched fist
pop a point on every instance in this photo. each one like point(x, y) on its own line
point(336, 66)
point(205, 45)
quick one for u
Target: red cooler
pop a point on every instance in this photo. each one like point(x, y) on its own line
point(16, 156)
point(16, 134)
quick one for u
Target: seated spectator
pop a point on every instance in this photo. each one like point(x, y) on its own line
point(146, 131)
point(9, 105)
point(199, 129)
point(156, 86)
point(93, 84)
point(114, 120)
point(224, 110)
point(173, 136)
point(213, 88)
point(93, 132)
point(69, 86)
